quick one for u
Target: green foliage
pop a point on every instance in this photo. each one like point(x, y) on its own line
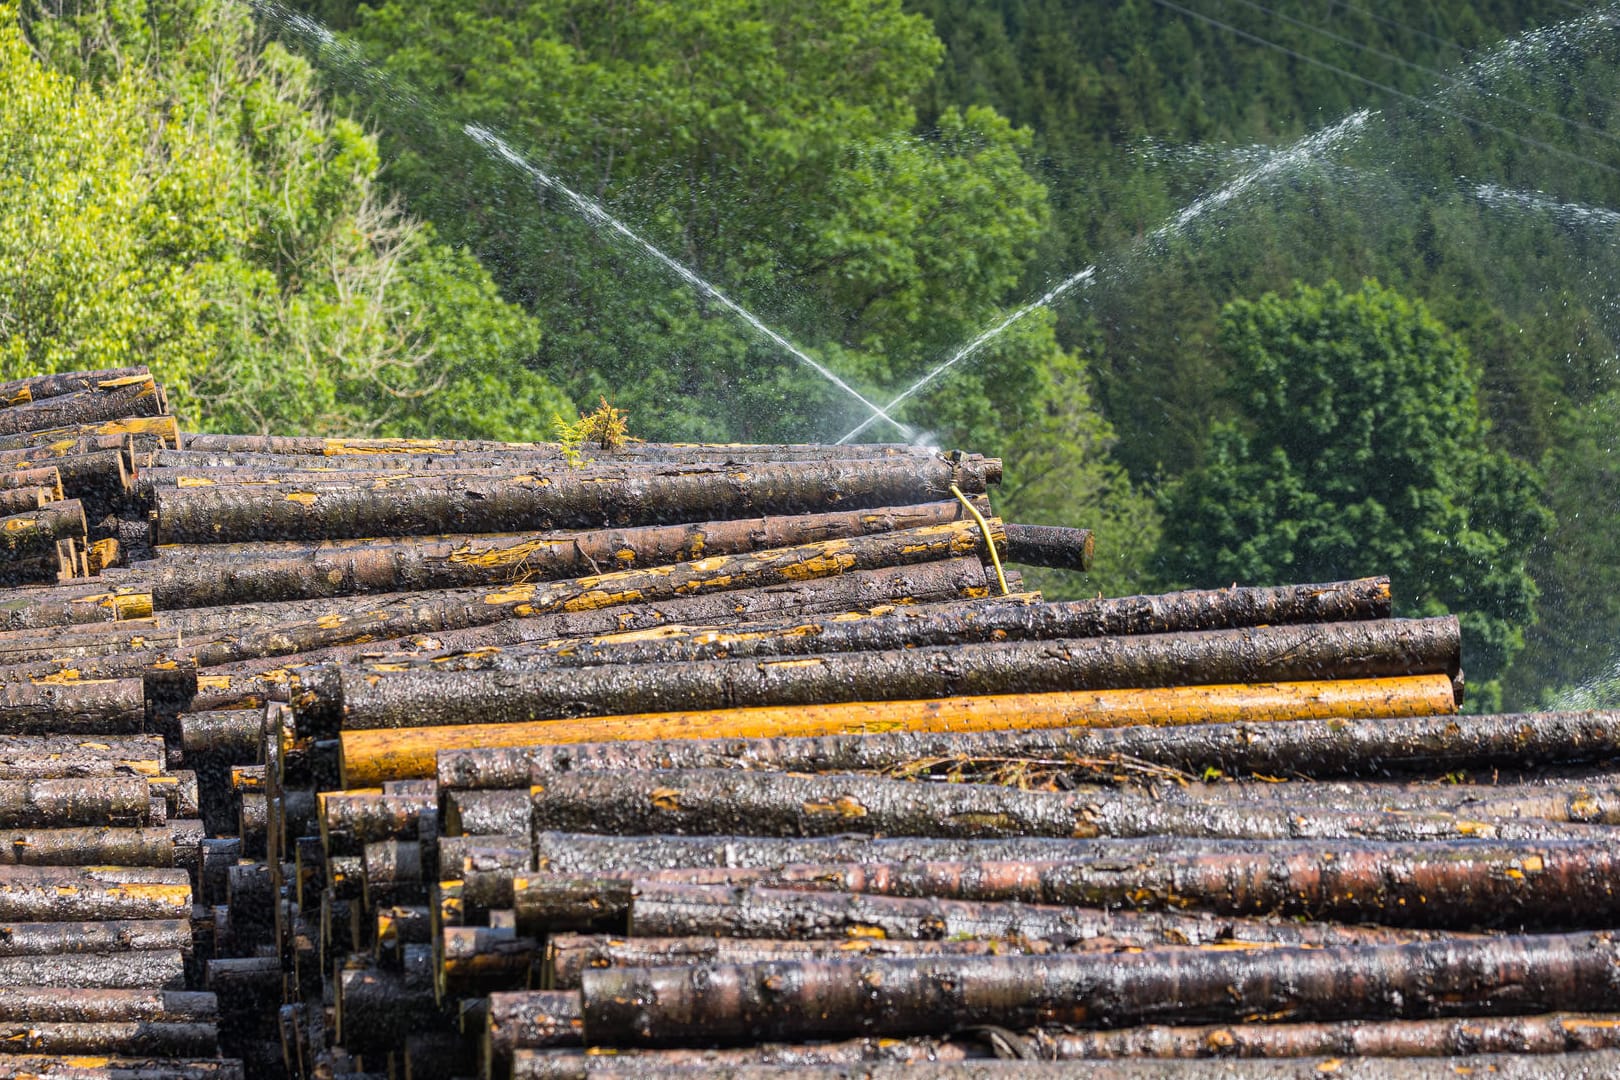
point(1363, 451)
point(177, 197)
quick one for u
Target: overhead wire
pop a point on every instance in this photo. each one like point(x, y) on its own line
point(1397, 24)
point(1386, 88)
point(1426, 70)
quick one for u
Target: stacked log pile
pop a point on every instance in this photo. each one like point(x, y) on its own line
point(463, 759)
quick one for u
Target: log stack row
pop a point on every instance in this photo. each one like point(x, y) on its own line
point(725, 760)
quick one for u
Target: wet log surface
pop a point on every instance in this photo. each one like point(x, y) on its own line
point(742, 1003)
point(558, 499)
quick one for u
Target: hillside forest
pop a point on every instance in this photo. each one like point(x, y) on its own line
point(1336, 278)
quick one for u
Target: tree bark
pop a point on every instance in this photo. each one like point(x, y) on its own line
point(376, 1008)
point(161, 969)
point(732, 1004)
point(203, 575)
point(104, 800)
point(532, 1019)
point(352, 819)
point(138, 1038)
point(343, 450)
point(71, 1005)
point(107, 706)
point(50, 757)
point(24, 500)
point(47, 479)
point(392, 753)
point(1050, 545)
point(558, 499)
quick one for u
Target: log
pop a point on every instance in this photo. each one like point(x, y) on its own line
point(368, 757)
point(376, 1009)
point(352, 819)
point(105, 706)
point(203, 575)
point(48, 757)
point(66, 605)
point(39, 387)
point(163, 428)
point(478, 959)
point(88, 640)
point(1018, 618)
point(1556, 1033)
point(24, 500)
point(295, 626)
point(488, 813)
point(92, 893)
point(656, 909)
point(99, 479)
point(735, 1004)
point(107, 800)
point(531, 1020)
point(374, 696)
point(1552, 886)
point(140, 1038)
point(135, 396)
point(700, 801)
point(138, 935)
point(45, 479)
point(555, 499)
point(158, 969)
point(173, 844)
point(569, 956)
point(1050, 545)
point(34, 535)
point(73, 1005)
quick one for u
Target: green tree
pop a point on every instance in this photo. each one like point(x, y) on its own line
point(171, 193)
point(1362, 451)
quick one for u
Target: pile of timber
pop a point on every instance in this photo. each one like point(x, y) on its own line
point(459, 759)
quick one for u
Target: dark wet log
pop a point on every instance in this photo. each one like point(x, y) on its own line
point(548, 903)
point(1019, 618)
point(173, 844)
point(66, 605)
point(568, 956)
point(1592, 800)
point(397, 927)
point(134, 396)
point(488, 813)
point(251, 683)
point(374, 696)
point(40, 387)
point(232, 734)
point(62, 756)
point(376, 1009)
point(542, 1064)
point(99, 479)
point(662, 910)
point(478, 959)
point(1558, 1033)
point(352, 819)
point(92, 893)
point(1581, 1066)
point(455, 851)
point(34, 535)
point(731, 1004)
point(108, 800)
point(1549, 886)
point(106, 706)
point(163, 428)
point(24, 500)
point(69, 1005)
point(140, 935)
point(89, 640)
point(157, 968)
point(298, 626)
point(1049, 545)
point(762, 804)
point(558, 498)
point(138, 1037)
point(370, 756)
point(393, 874)
point(531, 1020)
point(486, 871)
point(219, 574)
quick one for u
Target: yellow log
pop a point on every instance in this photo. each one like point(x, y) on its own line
point(371, 757)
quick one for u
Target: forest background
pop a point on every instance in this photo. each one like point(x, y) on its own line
point(1387, 346)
